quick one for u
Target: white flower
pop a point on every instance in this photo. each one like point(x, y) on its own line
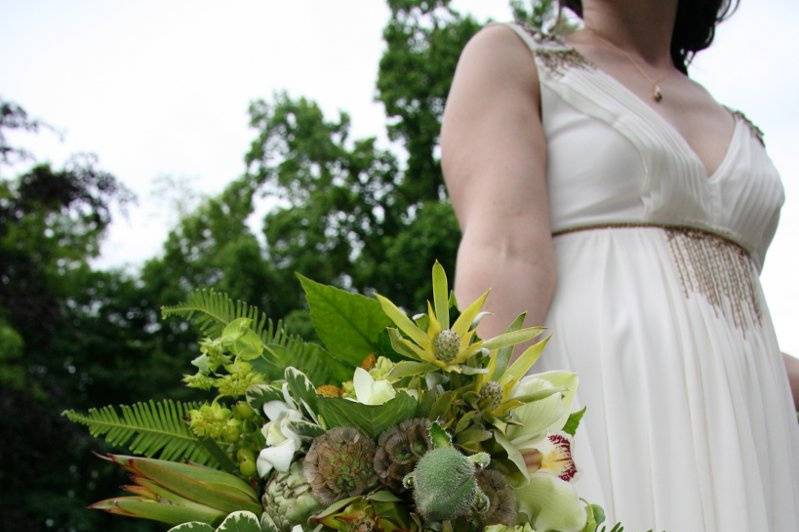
point(369, 391)
point(539, 418)
point(553, 455)
point(281, 441)
point(554, 503)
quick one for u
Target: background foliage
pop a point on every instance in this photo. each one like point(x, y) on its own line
point(351, 214)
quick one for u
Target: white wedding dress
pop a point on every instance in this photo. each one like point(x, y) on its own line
point(658, 308)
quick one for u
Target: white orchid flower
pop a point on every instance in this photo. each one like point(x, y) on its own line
point(552, 455)
point(551, 503)
point(281, 441)
point(369, 391)
point(539, 418)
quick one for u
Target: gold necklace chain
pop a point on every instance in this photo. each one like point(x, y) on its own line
point(657, 93)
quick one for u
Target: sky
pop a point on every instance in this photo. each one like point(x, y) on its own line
point(159, 90)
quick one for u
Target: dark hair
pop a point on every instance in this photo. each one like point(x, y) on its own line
point(694, 27)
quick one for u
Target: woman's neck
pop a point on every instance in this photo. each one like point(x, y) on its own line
point(640, 27)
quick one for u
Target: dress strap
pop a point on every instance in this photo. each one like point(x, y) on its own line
point(756, 131)
point(551, 53)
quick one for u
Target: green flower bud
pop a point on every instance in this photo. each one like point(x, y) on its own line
point(247, 468)
point(444, 484)
point(232, 431)
point(490, 395)
point(446, 345)
point(243, 411)
point(209, 421)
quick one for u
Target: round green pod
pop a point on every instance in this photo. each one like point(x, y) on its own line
point(444, 484)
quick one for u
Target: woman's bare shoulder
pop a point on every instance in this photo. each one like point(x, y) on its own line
point(498, 53)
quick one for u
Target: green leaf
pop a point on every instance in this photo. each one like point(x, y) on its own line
point(349, 324)
point(439, 436)
point(371, 419)
point(440, 290)
point(238, 337)
point(522, 365)
point(306, 429)
point(259, 394)
point(242, 521)
point(514, 455)
point(193, 526)
point(408, 368)
point(402, 346)
point(383, 496)
point(574, 421)
point(504, 353)
point(302, 390)
point(402, 321)
point(512, 338)
point(442, 405)
point(310, 358)
point(153, 428)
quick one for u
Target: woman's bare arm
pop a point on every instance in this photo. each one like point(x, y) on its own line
point(493, 153)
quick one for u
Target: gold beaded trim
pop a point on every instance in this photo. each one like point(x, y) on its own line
point(711, 265)
point(756, 131)
point(554, 53)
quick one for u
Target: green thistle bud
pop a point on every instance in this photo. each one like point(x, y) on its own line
point(446, 345)
point(490, 395)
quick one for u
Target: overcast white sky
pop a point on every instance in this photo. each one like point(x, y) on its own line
point(160, 89)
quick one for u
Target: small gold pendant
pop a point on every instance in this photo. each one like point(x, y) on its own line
point(656, 94)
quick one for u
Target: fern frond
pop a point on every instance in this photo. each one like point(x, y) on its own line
point(148, 429)
point(211, 311)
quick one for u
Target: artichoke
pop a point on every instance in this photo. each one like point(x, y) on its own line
point(399, 449)
point(339, 464)
point(287, 499)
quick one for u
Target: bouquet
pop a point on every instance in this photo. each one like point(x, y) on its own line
point(394, 423)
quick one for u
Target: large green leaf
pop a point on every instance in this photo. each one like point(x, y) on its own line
point(371, 419)
point(153, 428)
point(349, 324)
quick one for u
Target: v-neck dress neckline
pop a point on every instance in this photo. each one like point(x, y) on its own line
point(654, 117)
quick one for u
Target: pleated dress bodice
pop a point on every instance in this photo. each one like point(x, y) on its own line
point(612, 158)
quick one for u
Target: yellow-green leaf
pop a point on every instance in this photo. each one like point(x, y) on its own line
point(463, 322)
point(402, 321)
point(440, 293)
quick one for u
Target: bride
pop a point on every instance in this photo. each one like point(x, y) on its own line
point(600, 188)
